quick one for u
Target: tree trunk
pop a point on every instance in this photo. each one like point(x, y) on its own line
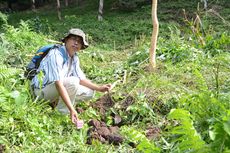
point(100, 10)
point(152, 50)
point(66, 3)
point(79, 2)
point(59, 9)
point(33, 5)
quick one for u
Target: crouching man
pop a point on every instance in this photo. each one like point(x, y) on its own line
point(63, 80)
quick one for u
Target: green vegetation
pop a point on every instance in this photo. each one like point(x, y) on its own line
point(184, 106)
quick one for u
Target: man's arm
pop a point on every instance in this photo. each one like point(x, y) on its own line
point(65, 97)
point(93, 86)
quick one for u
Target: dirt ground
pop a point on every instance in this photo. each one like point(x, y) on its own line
point(110, 134)
point(106, 134)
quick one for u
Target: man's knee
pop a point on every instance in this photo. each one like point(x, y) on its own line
point(90, 94)
point(84, 93)
point(71, 83)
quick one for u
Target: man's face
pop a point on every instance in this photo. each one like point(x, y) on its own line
point(73, 44)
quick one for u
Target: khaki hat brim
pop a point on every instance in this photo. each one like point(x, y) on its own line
point(85, 45)
point(80, 33)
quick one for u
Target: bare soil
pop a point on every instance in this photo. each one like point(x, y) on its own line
point(129, 100)
point(110, 134)
point(153, 132)
point(104, 103)
point(106, 134)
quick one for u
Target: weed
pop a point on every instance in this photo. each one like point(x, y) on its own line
point(191, 80)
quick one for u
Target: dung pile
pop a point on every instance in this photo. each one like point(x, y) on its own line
point(153, 132)
point(100, 131)
point(104, 103)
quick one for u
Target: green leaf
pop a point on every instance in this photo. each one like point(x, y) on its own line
point(188, 138)
point(212, 134)
point(15, 94)
point(227, 127)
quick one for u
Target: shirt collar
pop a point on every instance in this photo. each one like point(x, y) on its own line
point(66, 55)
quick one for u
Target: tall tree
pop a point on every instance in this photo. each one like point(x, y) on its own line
point(66, 2)
point(33, 5)
point(152, 50)
point(100, 10)
point(59, 9)
point(79, 2)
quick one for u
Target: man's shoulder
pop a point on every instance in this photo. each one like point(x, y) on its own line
point(56, 51)
point(57, 54)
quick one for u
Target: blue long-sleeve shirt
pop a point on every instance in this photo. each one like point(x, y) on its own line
point(57, 65)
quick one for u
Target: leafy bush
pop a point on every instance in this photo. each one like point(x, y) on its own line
point(209, 112)
point(25, 122)
point(24, 41)
point(138, 57)
point(206, 110)
point(172, 48)
point(217, 43)
point(189, 77)
point(6, 49)
point(188, 139)
point(130, 5)
point(39, 25)
point(3, 19)
point(111, 32)
point(135, 136)
point(23, 37)
point(6, 72)
point(220, 133)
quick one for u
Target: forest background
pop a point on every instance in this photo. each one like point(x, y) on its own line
point(183, 106)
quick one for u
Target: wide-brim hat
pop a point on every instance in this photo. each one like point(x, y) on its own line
point(77, 32)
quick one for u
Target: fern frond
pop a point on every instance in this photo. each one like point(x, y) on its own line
point(7, 72)
point(135, 136)
point(189, 139)
point(220, 133)
point(201, 82)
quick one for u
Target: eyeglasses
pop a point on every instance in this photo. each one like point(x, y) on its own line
point(77, 39)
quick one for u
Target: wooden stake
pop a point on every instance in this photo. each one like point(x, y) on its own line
point(114, 84)
point(53, 41)
point(152, 50)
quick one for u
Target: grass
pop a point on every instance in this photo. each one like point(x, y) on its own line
point(190, 78)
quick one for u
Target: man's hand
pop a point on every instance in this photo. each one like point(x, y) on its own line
point(104, 88)
point(75, 120)
point(89, 84)
point(73, 115)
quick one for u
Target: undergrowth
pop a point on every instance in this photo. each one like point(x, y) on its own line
point(185, 102)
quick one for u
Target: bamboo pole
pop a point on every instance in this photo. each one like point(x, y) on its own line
point(152, 50)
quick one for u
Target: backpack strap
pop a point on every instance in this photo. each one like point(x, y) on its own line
point(64, 53)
